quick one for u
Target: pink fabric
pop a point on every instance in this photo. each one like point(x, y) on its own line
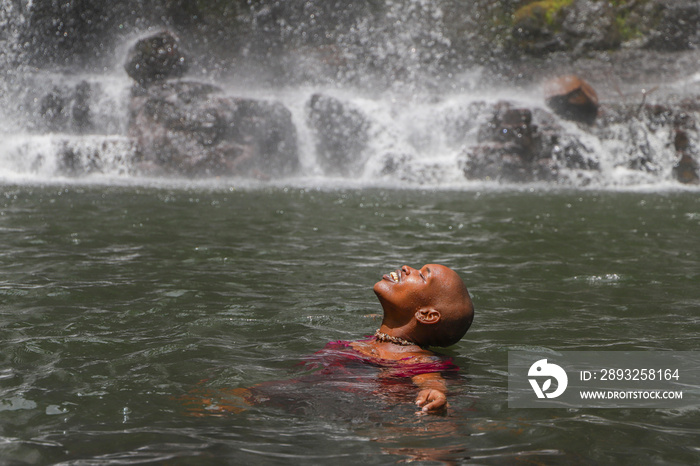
point(324, 381)
point(339, 356)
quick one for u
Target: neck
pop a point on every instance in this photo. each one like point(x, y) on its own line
point(385, 338)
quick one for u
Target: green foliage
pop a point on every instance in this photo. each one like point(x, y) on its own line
point(624, 3)
point(627, 31)
point(623, 8)
point(543, 9)
point(544, 13)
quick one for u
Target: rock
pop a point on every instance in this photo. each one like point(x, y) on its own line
point(561, 145)
point(681, 141)
point(52, 109)
point(66, 108)
point(677, 27)
point(686, 170)
point(340, 132)
point(74, 162)
point(513, 129)
point(156, 58)
point(495, 162)
point(80, 111)
point(81, 155)
point(589, 25)
point(572, 98)
point(652, 138)
point(534, 29)
point(508, 148)
point(577, 27)
point(193, 129)
point(511, 147)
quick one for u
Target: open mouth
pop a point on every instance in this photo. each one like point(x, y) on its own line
point(393, 277)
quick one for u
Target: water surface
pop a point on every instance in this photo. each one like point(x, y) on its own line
point(119, 302)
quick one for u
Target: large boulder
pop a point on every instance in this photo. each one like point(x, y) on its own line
point(513, 129)
point(156, 58)
point(193, 129)
point(508, 149)
point(511, 147)
point(340, 132)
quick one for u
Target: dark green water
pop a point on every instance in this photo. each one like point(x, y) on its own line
point(115, 302)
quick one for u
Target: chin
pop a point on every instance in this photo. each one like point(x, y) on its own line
point(378, 288)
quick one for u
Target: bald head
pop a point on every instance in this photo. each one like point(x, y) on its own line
point(431, 305)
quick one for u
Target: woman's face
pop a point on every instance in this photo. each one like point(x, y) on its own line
point(406, 290)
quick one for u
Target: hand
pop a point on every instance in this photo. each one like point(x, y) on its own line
point(431, 400)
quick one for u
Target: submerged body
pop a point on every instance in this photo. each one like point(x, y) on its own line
point(426, 307)
point(342, 373)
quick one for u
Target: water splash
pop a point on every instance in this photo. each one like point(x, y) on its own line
point(419, 116)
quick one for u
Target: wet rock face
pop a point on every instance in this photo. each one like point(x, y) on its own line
point(66, 108)
point(533, 32)
point(582, 26)
point(340, 132)
point(677, 28)
point(590, 25)
point(508, 149)
point(513, 129)
point(193, 129)
point(156, 58)
point(52, 109)
point(579, 27)
point(512, 148)
point(686, 169)
point(659, 138)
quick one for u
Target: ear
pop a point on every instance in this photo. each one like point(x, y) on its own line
point(428, 315)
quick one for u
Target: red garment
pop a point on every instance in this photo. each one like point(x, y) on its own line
point(337, 382)
point(341, 356)
point(338, 367)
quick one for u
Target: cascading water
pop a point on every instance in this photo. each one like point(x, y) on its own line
point(390, 102)
point(57, 122)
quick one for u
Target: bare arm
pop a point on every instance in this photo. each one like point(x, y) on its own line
point(432, 396)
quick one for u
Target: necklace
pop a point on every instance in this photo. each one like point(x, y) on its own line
point(384, 338)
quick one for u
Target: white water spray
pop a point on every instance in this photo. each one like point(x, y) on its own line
point(56, 124)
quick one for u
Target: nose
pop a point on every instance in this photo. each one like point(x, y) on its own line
point(407, 270)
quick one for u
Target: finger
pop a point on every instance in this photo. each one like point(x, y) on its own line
point(436, 402)
point(433, 406)
point(422, 397)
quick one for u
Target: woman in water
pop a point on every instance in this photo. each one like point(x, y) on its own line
point(422, 307)
point(426, 307)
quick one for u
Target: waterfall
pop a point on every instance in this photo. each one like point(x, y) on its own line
point(373, 95)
